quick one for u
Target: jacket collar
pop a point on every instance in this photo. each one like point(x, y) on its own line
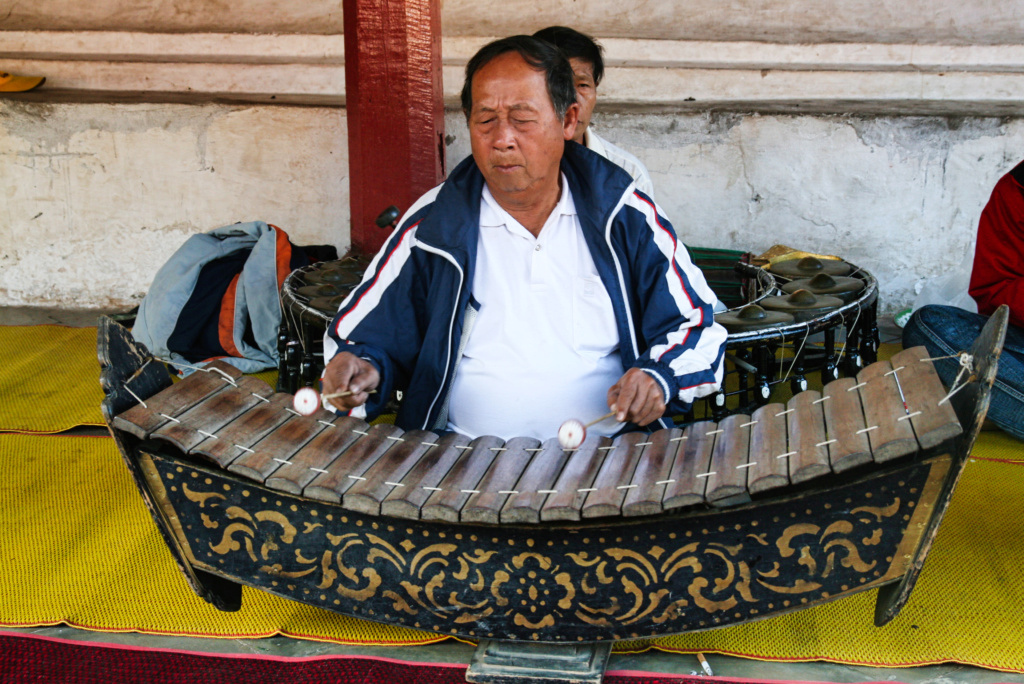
point(453, 222)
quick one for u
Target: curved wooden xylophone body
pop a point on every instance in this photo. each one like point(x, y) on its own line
point(685, 529)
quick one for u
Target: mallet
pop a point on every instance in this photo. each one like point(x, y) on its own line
point(573, 432)
point(307, 400)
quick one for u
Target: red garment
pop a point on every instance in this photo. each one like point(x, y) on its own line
point(998, 273)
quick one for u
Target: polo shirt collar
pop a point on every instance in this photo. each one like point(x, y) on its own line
point(492, 214)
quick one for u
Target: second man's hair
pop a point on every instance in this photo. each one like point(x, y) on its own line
point(575, 45)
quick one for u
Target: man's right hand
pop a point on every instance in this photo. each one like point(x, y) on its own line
point(348, 373)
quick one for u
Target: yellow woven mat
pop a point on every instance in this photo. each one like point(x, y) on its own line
point(85, 552)
point(50, 379)
point(80, 548)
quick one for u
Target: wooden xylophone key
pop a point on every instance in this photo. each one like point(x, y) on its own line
point(313, 459)
point(652, 473)
point(614, 478)
point(499, 481)
point(575, 480)
point(844, 420)
point(211, 414)
point(889, 436)
point(727, 477)
point(246, 430)
point(769, 467)
point(535, 484)
point(421, 482)
point(386, 474)
point(807, 443)
point(141, 420)
point(263, 458)
point(690, 470)
point(462, 480)
point(924, 390)
point(344, 471)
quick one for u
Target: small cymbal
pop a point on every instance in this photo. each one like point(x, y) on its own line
point(752, 317)
point(809, 267)
point(327, 305)
point(802, 304)
point(334, 273)
point(846, 289)
point(325, 290)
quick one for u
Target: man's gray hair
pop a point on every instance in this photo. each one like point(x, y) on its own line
point(540, 55)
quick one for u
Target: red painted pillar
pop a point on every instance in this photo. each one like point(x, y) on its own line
point(395, 108)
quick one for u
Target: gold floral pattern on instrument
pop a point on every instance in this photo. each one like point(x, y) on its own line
point(606, 586)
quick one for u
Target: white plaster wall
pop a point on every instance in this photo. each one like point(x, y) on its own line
point(787, 21)
point(899, 196)
point(94, 198)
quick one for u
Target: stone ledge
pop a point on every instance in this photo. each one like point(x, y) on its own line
point(642, 75)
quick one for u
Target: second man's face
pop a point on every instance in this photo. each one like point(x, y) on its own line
point(586, 94)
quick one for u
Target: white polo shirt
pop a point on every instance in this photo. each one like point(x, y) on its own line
point(544, 344)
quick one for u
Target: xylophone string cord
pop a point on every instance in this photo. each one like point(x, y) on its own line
point(846, 341)
point(966, 365)
point(948, 356)
point(796, 356)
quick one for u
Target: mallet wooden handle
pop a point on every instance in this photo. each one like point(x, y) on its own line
point(339, 395)
point(598, 420)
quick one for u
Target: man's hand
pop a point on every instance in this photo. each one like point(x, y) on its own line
point(637, 398)
point(348, 373)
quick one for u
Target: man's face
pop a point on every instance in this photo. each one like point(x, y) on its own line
point(517, 138)
point(586, 94)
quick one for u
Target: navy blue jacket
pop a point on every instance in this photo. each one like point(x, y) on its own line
point(409, 314)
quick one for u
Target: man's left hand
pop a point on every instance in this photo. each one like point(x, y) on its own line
point(637, 398)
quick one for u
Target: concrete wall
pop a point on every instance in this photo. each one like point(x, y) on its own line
point(787, 21)
point(95, 197)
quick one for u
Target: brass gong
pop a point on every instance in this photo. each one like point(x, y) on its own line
point(752, 317)
point(846, 289)
point(802, 304)
point(808, 267)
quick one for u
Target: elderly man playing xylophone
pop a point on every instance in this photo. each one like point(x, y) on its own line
point(533, 285)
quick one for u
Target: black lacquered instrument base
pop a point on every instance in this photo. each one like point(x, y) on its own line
point(553, 583)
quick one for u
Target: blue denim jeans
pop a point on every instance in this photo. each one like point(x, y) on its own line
point(947, 330)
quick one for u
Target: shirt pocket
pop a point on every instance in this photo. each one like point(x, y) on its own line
point(595, 334)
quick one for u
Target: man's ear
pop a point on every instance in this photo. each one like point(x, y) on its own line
point(572, 117)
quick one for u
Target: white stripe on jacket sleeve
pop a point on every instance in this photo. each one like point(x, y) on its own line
point(704, 355)
point(393, 263)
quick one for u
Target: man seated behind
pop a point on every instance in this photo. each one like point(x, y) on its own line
point(997, 278)
point(584, 55)
point(530, 286)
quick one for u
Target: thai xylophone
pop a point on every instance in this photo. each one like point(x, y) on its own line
point(694, 527)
